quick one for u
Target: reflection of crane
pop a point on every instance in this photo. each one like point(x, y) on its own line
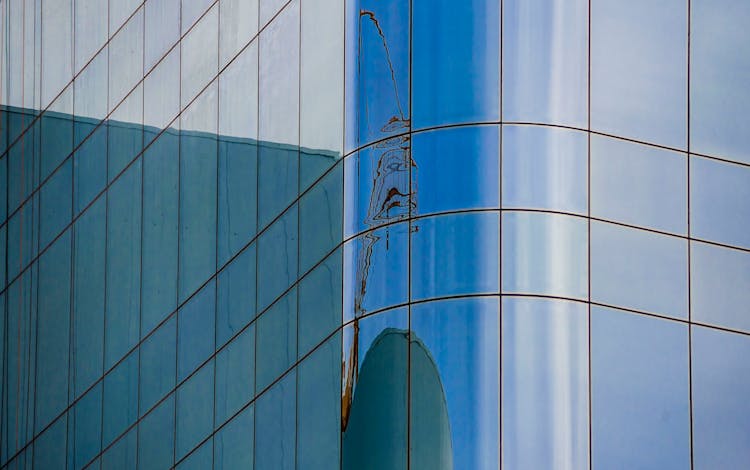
point(392, 199)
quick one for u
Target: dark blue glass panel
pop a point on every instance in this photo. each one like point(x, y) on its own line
point(156, 437)
point(319, 407)
point(719, 280)
point(454, 367)
point(49, 448)
point(23, 234)
point(377, 85)
point(57, 141)
point(545, 168)
point(233, 444)
point(22, 157)
point(53, 330)
point(377, 185)
point(320, 302)
point(55, 201)
point(235, 375)
point(455, 254)
point(158, 362)
point(195, 410)
point(276, 344)
point(277, 258)
point(545, 254)
point(545, 61)
point(124, 142)
point(197, 210)
point(200, 459)
point(640, 270)
point(236, 296)
point(456, 169)
point(639, 391)
point(376, 270)
point(195, 330)
point(278, 175)
point(721, 412)
point(455, 62)
point(123, 265)
point(123, 454)
point(88, 296)
point(545, 383)
point(89, 166)
point(375, 392)
point(719, 73)
point(85, 428)
point(120, 398)
point(320, 225)
point(720, 201)
point(238, 170)
point(160, 230)
point(275, 420)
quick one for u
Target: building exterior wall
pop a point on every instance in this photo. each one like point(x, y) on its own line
point(283, 234)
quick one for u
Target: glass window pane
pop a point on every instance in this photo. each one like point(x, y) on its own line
point(545, 168)
point(236, 292)
point(377, 185)
point(319, 407)
point(719, 73)
point(455, 254)
point(545, 61)
point(158, 361)
point(719, 280)
point(57, 47)
point(195, 410)
point(119, 11)
point(277, 258)
point(639, 74)
point(199, 58)
point(56, 204)
point(23, 236)
point(57, 138)
point(640, 270)
point(85, 428)
point(192, 10)
point(322, 79)
point(275, 420)
point(156, 436)
point(195, 330)
point(48, 449)
point(545, 254)
point(198, 193)
point(377, 90)
point(233, 444)
point(276, 344)
point(456, 169)
point(162, 30)
point(125, 59)
point(235, 375)
point(88, 297)
point(238, 23)
point(545, 383)
point(90, 95)
point(374, 392)
point(120, 398)
point(469, 34)
point(269, 8)
point(639, 391)
point(161, 168)
point(90, 29)
point(376, 270)
point(320, 302)
point(89, 166)
point(320, 224)
point(52, 335)
point(161, 89)
point(123, 265)
point(200, 458)
point(123, 453)
point(638, 184)
point(454, 384)
point(720, 201)
point(721, 385)
point(125, 133)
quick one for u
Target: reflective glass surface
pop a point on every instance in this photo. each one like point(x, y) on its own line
point(545, 383)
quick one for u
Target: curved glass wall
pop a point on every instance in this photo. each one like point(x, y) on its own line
point(320, 234)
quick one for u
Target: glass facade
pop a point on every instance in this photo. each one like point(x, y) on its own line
point(374, 234)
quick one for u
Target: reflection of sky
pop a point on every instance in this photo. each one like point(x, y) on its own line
point(462, 337)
